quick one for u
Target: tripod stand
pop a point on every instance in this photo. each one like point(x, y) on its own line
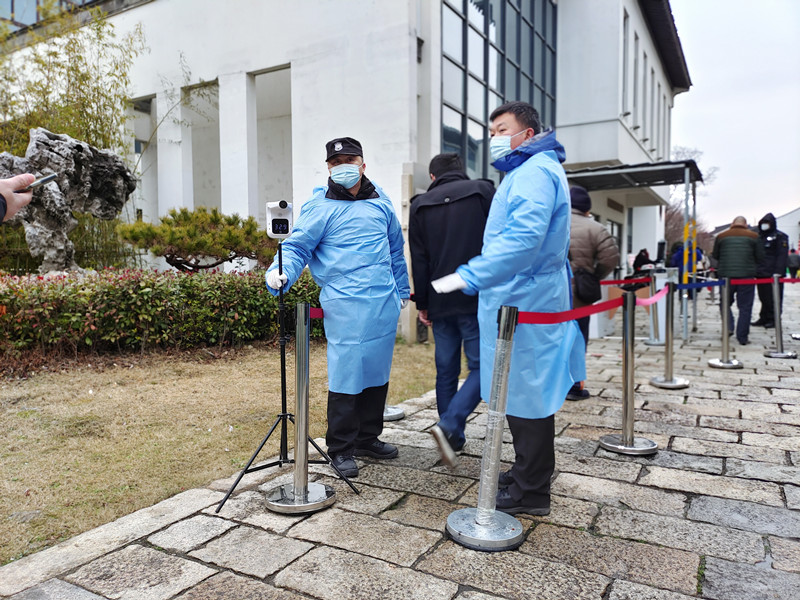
point(284, 416)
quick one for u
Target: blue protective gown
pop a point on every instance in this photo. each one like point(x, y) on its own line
point(524, 263)
point(354, 249)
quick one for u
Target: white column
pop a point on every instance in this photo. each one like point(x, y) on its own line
point(238, 145)
point(174, 134)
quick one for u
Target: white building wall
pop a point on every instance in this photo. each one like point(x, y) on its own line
point(790, 225)
point(351, 72)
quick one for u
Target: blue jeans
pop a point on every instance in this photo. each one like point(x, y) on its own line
point(454, 404)
point(744, 302)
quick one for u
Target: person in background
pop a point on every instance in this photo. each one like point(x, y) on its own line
point(739, 253)
point(642, 259)
point(776, 253)
point(11, 199)
point(793, 263)
point(523, 263)
point(445, 230)
point(591, 248)
point(349, 236)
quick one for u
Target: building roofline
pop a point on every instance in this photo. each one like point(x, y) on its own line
point(658, 16)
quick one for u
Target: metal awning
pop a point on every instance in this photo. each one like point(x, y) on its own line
point(635, 176)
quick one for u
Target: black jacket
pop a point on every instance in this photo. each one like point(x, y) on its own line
point(445, 230)
point(776, 248)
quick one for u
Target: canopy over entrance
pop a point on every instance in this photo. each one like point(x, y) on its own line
point(635, 176)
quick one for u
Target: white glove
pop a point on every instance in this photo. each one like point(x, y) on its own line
point(448, 283)
point(276, 280)
point(403, 303)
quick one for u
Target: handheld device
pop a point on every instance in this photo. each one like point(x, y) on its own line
point(279, 219)
point(38, 182)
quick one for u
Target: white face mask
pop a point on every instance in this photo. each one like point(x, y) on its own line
point(765, 227)
point(500, 145)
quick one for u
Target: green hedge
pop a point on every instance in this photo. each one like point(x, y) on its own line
point(115, 310)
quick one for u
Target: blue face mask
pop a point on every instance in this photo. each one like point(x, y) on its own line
point(500, 145)
point(346, 175)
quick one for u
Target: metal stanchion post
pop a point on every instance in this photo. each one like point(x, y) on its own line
point(725, 362)
point(627, 443)
point(485, 528)
point(776, 300)
point(668, 381)
point(301, 496)
point(655, 334)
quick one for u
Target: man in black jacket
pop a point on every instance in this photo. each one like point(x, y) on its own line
point(776, 254)
point(445, 230)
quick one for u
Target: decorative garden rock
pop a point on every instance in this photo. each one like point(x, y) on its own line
point(89, 181)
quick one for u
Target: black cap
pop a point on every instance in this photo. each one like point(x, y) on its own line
point(580, 199)
point(343, 145)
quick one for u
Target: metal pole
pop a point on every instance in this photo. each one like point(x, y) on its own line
point(694, 255)
point(725, 362)
point(776, 303)
point(668, 381)
point(627, 443)
point(484, 528)
point(301, 496)
point(655, 333)
point(687, 176)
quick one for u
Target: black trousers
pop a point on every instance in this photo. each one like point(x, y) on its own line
point(767, 313)
point(355, 420)
point(535, 459)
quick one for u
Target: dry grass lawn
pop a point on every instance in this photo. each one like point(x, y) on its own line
point(91, 443)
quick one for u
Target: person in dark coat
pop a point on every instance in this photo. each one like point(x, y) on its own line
point(642, 259)
point(793, 263)
point(445, 230)
point(776, 253)
point(739, 253)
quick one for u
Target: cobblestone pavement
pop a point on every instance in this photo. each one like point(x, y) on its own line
point(714, 514)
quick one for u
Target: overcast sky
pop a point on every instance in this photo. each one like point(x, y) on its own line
point(743, 109)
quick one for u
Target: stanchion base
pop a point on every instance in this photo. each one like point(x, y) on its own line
point(718, 363)
point(776, 354)
point(653, 343)
point(676, 383)
point(393, 413)
point(613, 443)
point(504, 532)
point(796, 336)
point(282, 500)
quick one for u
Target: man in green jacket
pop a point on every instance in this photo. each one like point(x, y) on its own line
point(739, 252)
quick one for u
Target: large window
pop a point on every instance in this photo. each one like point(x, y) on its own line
point(493, 51)
point(19, 14)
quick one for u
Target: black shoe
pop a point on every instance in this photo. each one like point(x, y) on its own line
point(742, 342)
point(505, 503)
point(769, 325)
point(446, 448)
point(505, 479)
point(377, 449)
point(578, 395)
point(346, 464)
point(758, 323)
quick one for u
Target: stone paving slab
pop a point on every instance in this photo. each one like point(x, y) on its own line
point(597, 467)
point(669, 459)
point(706, 448)
point(252, 551)
point(378, 538)
point(677, 533)
point(725, 580)
point(55, 589)
point(619, 494)
point(514, 575)
point(771, 441)
point(139, 572)
point(250, 507)
point(713, 485)
point(187, 535)
point(229, 586)
point(785, 554)
point(763, 471)
point(35, 568)
point(619, 559)
point(748, 516)
point(627, 590)
point(332, 574)
point(436, 485)
point(421, 511)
